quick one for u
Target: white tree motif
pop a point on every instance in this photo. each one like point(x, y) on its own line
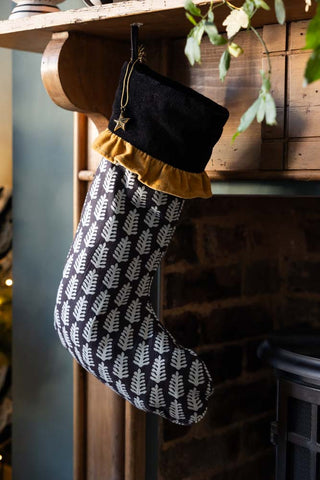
point(133, 313)
point(123, 295)
point(139, 198)
point(158, 371)
point(110, 179)
point(178, 359)
point(90, 238)
point(141, 356)
point(133, 270)
point(196, 374)
point(176, 388)
point(128, 179)
point(161, 345)
point(156, 399)
point(109, 232)
point(67, 268)
point(138, 383)
point(112, 277)
point(173, 210)
point(74, 334)
point(152, 218)
point(100, 305)
point(99, 258)
point(104, 350)
point(209, 391)
point(104, 373)
point(122, 390)
point(101, 207)
point(71, 290)
point(87, 355)
point(56, 317)
point(80, 263)
point(154, 260)
point(176, 410)
point(59, 293)
point(164, 236)
point(67, 338)
point(144, 242)
point(77, 241)
point(139, 403)
point(103, 165)
point(146, 329)
point(80, 308)
point(159, 198)
point(121, 253)
point(120, 367)
point(131, 223)
point(90, 331)
point(86, 215)
point(144, 286)
point(89, 284)
point(126, 338)
point(193, 400)
point(62, 340)
point(65, 311)
point(118, 204)
point(112, 323)
point(94, 189)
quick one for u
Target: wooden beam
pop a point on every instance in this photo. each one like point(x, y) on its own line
point(160, 18)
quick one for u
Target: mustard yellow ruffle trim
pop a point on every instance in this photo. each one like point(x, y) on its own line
point(151, 171)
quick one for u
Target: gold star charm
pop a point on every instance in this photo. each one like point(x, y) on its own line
point(121, 122)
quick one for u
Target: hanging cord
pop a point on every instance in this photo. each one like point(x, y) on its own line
point(137, 55)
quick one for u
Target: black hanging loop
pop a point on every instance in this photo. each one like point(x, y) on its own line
point(135, 40)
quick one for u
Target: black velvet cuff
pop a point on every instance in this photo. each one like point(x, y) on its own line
point(168, 121)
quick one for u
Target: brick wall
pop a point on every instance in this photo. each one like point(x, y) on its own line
point(237, 269)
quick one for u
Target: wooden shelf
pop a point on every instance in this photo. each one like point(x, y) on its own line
point(161, 18)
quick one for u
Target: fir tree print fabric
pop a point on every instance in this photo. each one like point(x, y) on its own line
point(103, 314)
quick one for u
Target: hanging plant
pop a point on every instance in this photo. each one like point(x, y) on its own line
point(263, 108)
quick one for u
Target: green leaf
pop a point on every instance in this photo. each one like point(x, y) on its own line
point(312, 71)
point(280, 11)
point(313, 32)
point(248, 116)
point(191, 8)
point(261, 4)
point(197, 32)
point(249, 7)
point(192, 50)
point(213, 34)
point(261, 109)
point(271, 112)
point(210, 16)
point(224, 64)
point(190, 18)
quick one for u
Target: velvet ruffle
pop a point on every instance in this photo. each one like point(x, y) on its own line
point(152, 172)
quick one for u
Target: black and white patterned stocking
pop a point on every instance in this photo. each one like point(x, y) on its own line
point(103, 313)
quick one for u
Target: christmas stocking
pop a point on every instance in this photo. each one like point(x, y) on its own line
point(159, 140)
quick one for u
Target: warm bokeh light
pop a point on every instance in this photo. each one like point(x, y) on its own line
point(9, 282)
point(0, 457)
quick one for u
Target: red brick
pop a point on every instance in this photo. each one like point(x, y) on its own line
point(204, 285)
point(186, 459)
point(262, 277)
point(235, 323)
point(183, 245)
point(235, 402)
point(185, 328)
point(224, 363)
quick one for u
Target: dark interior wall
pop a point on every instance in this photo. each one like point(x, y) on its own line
point(238, 269)
point(42, 369)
